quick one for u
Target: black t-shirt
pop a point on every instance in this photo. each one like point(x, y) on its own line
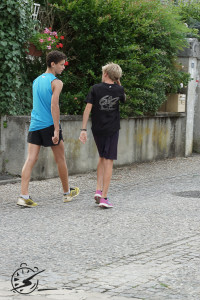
point(105, 109)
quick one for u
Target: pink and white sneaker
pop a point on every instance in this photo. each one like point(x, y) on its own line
point(105, 203)
point(97, 196)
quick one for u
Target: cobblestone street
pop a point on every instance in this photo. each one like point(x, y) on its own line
point(146, 247)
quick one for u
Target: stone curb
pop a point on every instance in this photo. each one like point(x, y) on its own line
point(7, 181)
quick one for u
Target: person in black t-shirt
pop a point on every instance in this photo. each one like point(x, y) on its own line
point(103, 102)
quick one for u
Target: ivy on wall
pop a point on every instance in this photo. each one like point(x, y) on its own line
point(16, 26)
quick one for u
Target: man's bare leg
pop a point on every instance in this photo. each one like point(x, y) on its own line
point(59, 155)
point(100, 172)
point(108, 166)
point(33, 152)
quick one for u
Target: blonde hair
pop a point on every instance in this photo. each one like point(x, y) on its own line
point(114, 71)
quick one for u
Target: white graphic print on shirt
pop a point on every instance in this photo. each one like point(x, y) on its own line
point(108, 103)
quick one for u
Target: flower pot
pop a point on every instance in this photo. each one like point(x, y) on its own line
point(33, 51)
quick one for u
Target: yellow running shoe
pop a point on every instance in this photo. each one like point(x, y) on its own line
point(26, 202)
point(73, 193)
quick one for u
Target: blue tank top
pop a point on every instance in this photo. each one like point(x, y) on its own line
point(41, 116)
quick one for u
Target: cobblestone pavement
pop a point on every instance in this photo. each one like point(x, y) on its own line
point(146, 247)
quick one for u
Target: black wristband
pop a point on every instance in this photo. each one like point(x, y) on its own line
point(83, 129)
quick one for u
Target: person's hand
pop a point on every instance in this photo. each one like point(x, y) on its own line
point(55, 138)
point(83, 137)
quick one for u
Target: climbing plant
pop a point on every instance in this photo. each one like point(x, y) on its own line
point(16, 26)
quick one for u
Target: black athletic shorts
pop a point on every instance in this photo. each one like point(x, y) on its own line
point(43, 137)
point(107, 145)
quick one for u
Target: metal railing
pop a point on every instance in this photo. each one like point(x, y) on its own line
point(36, 8)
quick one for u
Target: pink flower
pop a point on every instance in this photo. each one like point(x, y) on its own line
point(75, 98)
point(54, 33)
point(62, 37)
point(47, 30)
point(41, 40)
point(61, 45)
point(49, 47)
point(49, 39)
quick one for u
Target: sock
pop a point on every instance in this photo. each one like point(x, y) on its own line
point(67, 193)
point(26, 197)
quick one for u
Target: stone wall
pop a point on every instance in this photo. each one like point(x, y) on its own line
point(141, 139)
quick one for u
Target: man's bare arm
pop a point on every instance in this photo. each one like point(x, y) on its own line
point(86, 114)
point(57, 86)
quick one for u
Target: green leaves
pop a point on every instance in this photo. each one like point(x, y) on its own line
point(142, 36)
point(190, 14)
point(15, 27)
point(3, 43)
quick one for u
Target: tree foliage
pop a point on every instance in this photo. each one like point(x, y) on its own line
point(190, 14)
point(143, 36)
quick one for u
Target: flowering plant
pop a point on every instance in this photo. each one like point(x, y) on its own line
point(47, 40)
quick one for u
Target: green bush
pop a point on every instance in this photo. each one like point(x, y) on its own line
point(157, 36)
point(142, 36)
point(190, 14)
point(15, 28)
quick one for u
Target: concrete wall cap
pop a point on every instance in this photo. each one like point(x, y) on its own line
point(193, 49)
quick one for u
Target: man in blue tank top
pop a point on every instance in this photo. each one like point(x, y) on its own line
point(45, 129)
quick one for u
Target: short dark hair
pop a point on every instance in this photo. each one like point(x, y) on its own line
point(54, 56)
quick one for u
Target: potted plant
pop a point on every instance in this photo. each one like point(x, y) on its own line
point(43, 41)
